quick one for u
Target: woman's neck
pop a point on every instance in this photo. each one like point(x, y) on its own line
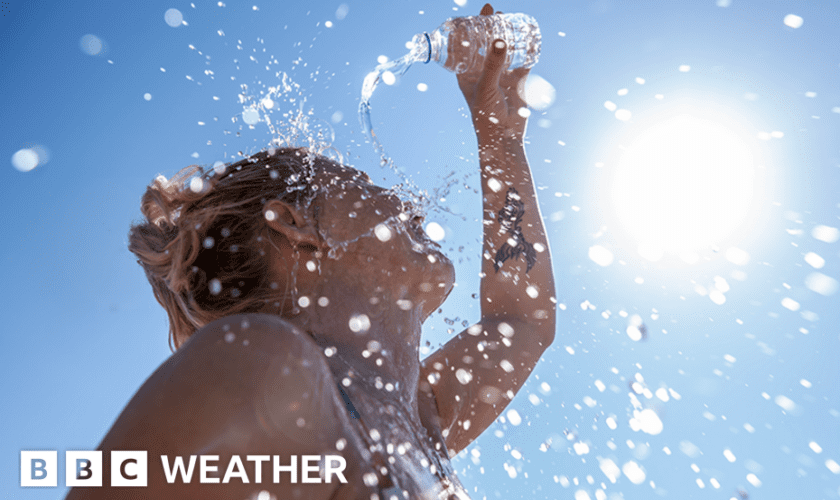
point(370, 345)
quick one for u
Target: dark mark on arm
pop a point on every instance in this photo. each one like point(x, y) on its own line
point(510, 217)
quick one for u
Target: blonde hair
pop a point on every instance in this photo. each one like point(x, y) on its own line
point(200, 245)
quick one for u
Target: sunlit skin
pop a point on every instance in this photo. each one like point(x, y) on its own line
point(258, 384)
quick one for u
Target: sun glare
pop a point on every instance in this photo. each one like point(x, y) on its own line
point(683, 185)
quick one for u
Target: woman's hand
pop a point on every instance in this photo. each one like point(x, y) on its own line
point(495, 95)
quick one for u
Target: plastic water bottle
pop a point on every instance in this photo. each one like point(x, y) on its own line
point(460, 43)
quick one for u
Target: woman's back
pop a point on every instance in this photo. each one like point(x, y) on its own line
point(246, 385)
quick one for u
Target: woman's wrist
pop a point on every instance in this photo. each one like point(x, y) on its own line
point(491, 133)
point(500, 145)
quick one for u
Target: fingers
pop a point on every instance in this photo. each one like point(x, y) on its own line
point(487, 10)
point(520, 74)
point(493, 63)
point(488, 83)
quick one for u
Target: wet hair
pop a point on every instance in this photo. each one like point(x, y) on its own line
point(201, 245)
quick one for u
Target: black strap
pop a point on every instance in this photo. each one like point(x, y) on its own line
point(353, 412)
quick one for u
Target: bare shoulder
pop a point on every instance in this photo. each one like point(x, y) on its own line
point(249, 368)
point(248, 384)
point(261, 334)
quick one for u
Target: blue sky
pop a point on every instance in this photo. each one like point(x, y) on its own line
point(746, 336)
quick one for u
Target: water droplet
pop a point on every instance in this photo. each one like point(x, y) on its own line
point(822, 284)
point(215, 286)
point(649, 422)
point(370, 479)
point(341, 11)
point(539, 93)
point(789, 303)
point(490, 395)
point(359, 323)
point(634, 472)
point(793, 21)
point(634, 333)
point(729, 455)
point(785, 403)
point(581, 448)
point(25, 160)
point(383, 232)
point(814, 260)
point(173, 17)
point(600, 255)
point(505, 329)
point(404, 305)
point(435, 231)
point(230, 337)
point(610, 469)
point(91, 44)
point(826, 233)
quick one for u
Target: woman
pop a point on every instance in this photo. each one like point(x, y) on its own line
point(296, 291)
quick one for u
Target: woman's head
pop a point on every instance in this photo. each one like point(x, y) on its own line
point(239, 238)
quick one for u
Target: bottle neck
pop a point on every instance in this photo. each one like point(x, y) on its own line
point(429, 45)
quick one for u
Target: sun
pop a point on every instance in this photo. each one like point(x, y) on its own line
point(684, 184)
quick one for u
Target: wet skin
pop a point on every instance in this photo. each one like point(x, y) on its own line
point(278, 392)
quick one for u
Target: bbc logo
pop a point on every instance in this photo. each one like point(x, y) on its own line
point(82, 468)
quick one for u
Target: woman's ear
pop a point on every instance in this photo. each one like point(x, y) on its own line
point(289, 221)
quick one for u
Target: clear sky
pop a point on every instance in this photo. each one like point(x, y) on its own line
point(687, 163)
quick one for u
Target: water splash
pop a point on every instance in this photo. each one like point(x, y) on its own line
point(420, 243)
point(394, 69)
point(283, 108)
point(408, 189)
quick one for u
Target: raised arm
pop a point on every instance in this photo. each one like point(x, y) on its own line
point(476, 374)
